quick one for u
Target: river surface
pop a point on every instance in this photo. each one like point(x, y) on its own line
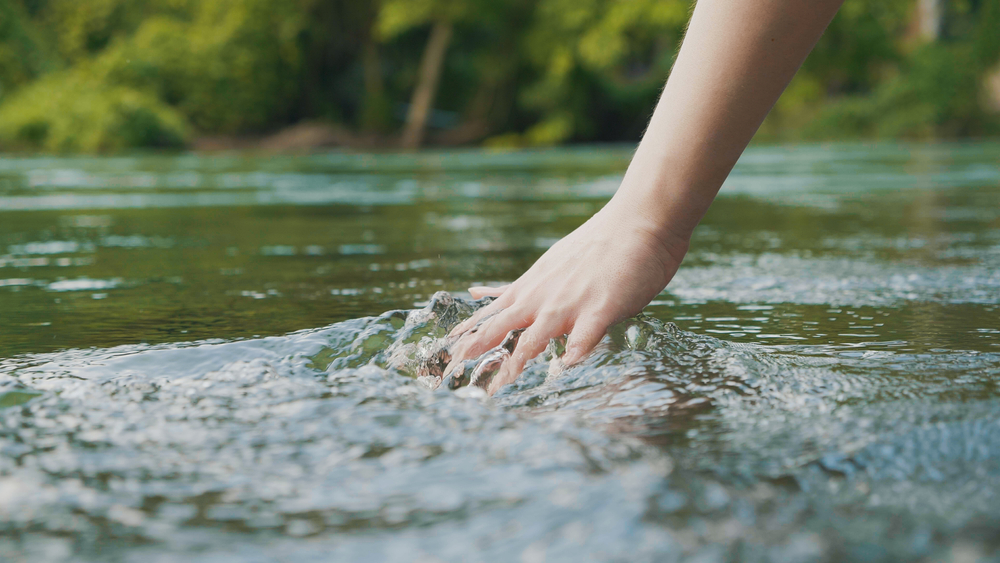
point(194, 365)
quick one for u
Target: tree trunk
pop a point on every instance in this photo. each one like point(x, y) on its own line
point(427, 84)
point(475, 123)
point(992, 86)
point(929, 17)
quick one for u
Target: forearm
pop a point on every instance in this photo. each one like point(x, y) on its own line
point(736, 59)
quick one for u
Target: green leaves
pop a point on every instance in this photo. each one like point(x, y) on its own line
point(398, 16)
point(71, 111)
point(221, 66)
point(23, 53)
point(514, 73)
point(232, 68)
point(607, 46)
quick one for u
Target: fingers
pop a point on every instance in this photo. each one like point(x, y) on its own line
point(493, 308)
point(490, 333)
point(480, 292)
point(587, 333)
point(532, 343)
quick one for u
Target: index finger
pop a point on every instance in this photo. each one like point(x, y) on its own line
point(493, 308)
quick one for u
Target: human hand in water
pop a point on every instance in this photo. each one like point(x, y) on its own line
point(603, 272)
point(735, 60)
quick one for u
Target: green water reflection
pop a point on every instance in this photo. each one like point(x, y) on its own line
point(239, 246)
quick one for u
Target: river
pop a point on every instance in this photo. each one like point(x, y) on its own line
point(193, 363)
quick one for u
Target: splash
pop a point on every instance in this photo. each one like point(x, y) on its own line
point(345, 442)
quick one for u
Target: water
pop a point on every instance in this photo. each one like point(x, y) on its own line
point(194, 354)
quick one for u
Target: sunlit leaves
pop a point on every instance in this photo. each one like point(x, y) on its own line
point(604, 38)
point(398, 16)
point(71, 111)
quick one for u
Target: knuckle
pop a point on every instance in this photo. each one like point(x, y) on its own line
point(582, 338)
point(529, 344)
point(598, 319)
point(551, 320)
point(504, 299)
point(475, 340)
point(516, 318)
point(603, 306)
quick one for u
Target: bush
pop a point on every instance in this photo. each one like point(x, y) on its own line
point(226, 66)
point(936, 93)
point(23, 56)
point(70, 111)
point(233, 68)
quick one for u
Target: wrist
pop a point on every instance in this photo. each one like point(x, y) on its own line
point(627, 218)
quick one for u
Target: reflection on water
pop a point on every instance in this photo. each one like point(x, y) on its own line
point(818, 383)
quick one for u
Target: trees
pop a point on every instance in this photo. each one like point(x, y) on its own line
point(500, 72)
point(397, 16)
point(906, 77)
point(24, 55)
point(146, 73)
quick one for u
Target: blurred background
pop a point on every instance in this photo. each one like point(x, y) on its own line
point(109, 75)
point(209, 237)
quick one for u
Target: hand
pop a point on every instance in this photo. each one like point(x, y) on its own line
point(603, 272)
point(736, 59)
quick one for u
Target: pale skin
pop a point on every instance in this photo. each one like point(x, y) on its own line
point(736, 59)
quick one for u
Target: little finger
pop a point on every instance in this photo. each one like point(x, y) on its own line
point(586, 334)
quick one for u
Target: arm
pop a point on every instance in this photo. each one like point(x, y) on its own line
point(736, 59)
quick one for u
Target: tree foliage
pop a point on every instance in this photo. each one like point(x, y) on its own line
point(117, 74)
point(24, 55)
point(70, 111)
point(230, 66)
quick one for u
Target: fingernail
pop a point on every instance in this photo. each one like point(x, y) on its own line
point(569, 357)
